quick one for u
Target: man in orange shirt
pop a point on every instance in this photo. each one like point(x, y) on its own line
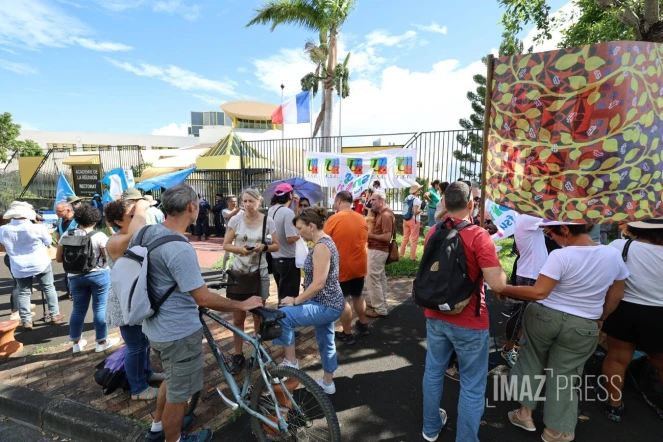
point(349, 231)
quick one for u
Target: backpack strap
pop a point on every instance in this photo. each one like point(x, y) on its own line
point(626, 247)
point(156, 303)
point(140, 234)
point(477, 283)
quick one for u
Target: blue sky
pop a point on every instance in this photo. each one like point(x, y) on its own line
point(140, 66)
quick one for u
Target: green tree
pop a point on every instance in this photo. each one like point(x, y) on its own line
point(472, 141)
point(29, 148)
point(8, 133)
point(321, 16)
point(599, 20)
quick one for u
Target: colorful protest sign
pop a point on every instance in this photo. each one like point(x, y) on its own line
point(503, 218)
point(395, 168)
point(355, 184)
point(576, 133)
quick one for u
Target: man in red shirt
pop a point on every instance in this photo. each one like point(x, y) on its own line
point(464, 333)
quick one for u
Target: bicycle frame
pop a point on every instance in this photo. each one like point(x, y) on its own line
point(263, 359)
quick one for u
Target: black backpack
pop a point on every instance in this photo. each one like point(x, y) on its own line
point(78, 253)
point(442, 282)
point(110, 374)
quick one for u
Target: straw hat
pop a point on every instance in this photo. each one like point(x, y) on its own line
point(150, 199)
point(415, 187)
point(20, 209)
point(132, 194)
point(654, 223)
point(73, 198)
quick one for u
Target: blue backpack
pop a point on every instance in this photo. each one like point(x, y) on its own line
point(409, 211)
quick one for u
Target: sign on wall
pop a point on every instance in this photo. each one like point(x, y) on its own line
point(86, 180)
point(394, 168)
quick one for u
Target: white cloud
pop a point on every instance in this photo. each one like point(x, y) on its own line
point(287, 68)
point(178, 77)
point(242, 70)
point(433, 27)
point(384, 38)
point(209, 99)
point(562, 15)
point(9, 51)
point(27, 126)
point(188, 11)
point(34, 24)
point(17, 68)
point(173, 129)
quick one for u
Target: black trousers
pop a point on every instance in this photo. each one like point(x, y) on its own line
point(219, 226)
point(202, 227)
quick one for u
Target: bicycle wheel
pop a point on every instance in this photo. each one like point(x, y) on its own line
point(317, 420)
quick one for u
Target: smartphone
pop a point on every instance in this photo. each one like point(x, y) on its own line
point(250, 248)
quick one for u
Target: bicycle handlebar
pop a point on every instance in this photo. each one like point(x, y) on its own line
point(220, 285)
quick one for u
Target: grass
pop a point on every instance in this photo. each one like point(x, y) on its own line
point(405, 268)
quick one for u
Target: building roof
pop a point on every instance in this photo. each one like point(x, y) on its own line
point(231, 145)
point(249, 110)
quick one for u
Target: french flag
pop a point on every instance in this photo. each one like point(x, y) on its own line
point(294, 110)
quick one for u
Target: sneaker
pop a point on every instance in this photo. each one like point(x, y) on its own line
point(236, 365)
point(80, 346)
point(525, 424)
point(556, 436)
point(33, 306)
point(453, 373)
point(329, 389)
point(510, 356)
point(27, 326)
point(56, 319)
point(203, 436)
point(110, 342)
point(362, 329)
point(348, 339)
point(285, 363)
point(160, 436)
point(443, 415)
point(614, 413)
point(15, 317)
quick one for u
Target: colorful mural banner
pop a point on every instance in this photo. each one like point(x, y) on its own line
point(576, 133)
point(395, 168)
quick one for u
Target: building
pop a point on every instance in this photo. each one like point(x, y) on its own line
point(91, 141)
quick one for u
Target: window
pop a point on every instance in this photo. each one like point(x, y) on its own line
point(196, 118)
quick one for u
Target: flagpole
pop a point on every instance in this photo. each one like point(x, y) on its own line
point(310, 108)
point(486, 130)
point(340, 106)
point(282, 124)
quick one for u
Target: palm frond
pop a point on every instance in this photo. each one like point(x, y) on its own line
point(305, 13)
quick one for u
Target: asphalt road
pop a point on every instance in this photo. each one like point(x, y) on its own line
point(379, 394)
point(11, 431)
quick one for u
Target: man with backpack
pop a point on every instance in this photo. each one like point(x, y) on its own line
point(175, 333)
point(458, 256)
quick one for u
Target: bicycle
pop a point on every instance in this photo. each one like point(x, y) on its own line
point(284, 403)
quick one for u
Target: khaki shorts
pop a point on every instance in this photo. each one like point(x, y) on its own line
point(182, 362)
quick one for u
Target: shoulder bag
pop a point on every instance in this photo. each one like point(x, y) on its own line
point(393, 247)
point(248, 283)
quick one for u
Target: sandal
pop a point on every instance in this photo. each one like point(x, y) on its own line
point(374, 314)
point(146, 395)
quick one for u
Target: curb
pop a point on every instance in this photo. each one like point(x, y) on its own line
point(65, 417)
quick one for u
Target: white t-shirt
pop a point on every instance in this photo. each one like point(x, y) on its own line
point(583, 275)
point(226, 214)
point(416, 203)
point(98, 241)
point(439, 208)
point(250, 236)
point(532, 246)
point(645, 285)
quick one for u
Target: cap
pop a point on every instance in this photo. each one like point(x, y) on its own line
point(282, 189)
point(132, 194)
point(655, 223)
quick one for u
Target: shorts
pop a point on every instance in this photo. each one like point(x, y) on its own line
point(353, 287)
point(182, 362)
point(287, 277)
point(637, 324)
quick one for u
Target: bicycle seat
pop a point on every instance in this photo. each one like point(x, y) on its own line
point(268, 315)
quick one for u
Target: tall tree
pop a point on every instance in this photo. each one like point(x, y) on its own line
point(29, 148)
point(8, 133)
point(472, 142)
point(641, 17)
point(316, 15)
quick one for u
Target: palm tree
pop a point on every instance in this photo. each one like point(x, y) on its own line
point(322, 16)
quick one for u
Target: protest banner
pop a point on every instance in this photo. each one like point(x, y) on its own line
point(395, 168)
point(503, 218)
point(576, 133)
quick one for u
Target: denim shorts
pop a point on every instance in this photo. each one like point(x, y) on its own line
point(182, 362)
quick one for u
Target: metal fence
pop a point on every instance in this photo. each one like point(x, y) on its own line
point(41, 189)
point(10, 182)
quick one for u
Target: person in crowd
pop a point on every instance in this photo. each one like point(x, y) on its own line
point(202, 222)
point(412, 226)
point(66, 222)
point(367, 201)
point(28, 261)
point(377, 186)
point(432, 197)
point(217, 210)
point(531, 243)
point(465, 333)
point(380, 233)
point(153, 215)
point(96, 202)
point(303, 204)
point(579, 286)
point(75, 201)
point(636, 322)
point(440, 209)
point(175, 334)
point(126, 218)
point(349, 231)
point(321, 303)
point(231, 210)
point(93, 285)
point(286, 274)
point(244, 239)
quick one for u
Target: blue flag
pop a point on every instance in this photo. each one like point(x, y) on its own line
point(117, 171)
point(106, 198)
point(63, 190)
point(166, 181)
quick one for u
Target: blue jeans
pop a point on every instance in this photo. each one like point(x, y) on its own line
point(24, 286)
point(430, 211)
point(472, 348)
point(137, 361)
point(323, 318)
point(93, 285)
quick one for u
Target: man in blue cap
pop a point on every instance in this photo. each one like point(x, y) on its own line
point(96, 202)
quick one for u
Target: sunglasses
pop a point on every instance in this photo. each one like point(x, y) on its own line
point(303, 205)
point(477, 199)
